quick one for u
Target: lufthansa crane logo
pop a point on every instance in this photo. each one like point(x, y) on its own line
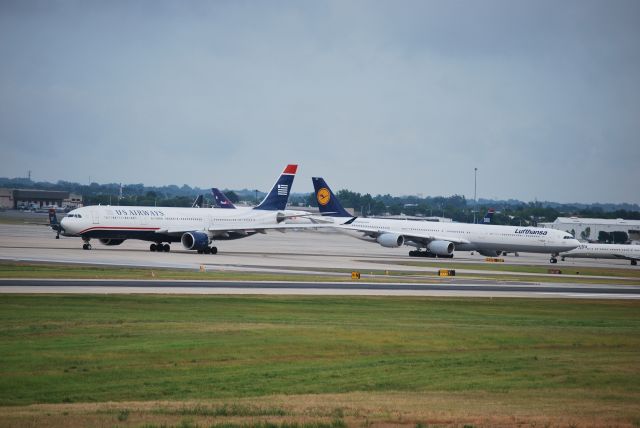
point(323, 196)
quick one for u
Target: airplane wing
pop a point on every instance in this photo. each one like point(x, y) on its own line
point(623, 257)
point(261, 228)
point(423, 238)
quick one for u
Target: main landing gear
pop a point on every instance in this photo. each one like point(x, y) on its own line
point(209, 250)
point(554, 258)
point(86, 245)
point(418, 253)
point(159, 247)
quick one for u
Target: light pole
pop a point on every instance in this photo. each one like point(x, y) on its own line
point(475, 187)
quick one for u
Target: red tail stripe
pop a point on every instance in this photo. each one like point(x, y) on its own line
point(118, 228)
point(290, 169)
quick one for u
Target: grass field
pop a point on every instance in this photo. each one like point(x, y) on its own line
point(317, 361)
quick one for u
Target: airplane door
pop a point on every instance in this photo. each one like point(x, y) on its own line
point(95, 216)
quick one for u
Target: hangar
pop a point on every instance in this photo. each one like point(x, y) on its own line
point(34, 199)
point(594, 229)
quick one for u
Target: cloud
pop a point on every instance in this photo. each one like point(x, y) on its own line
point(379, 97)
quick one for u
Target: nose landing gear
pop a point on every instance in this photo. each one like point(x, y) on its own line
point(86, 245)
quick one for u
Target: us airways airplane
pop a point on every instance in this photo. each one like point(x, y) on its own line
point(441, 239)
point(195, 228)
point(605, 251)
point(221, 199)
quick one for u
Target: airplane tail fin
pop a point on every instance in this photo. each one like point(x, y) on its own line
point(327, 201)
point(488, 216)
point(53, 219)
point(221, 199)
point(198, 202)
point(276, 199)
point(54, 223)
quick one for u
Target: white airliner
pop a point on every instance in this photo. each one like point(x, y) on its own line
point(441, 239)
point(196, 228)
point(605, 251)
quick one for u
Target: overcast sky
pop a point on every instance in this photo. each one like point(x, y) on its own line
point(400, 97)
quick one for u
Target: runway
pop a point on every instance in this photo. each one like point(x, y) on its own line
point(454, 288)
point(294, 253)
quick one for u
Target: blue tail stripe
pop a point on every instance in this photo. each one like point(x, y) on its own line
point(332, 206)
point(277, 198)
point(221, 199)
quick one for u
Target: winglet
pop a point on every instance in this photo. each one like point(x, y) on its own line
point(276, 199)
point(327, 201)
point(350, 221)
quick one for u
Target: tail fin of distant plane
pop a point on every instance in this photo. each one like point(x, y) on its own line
point(53, 219)
point(221, 199)
point(198, 202)
point(53, 222)
point(488, 216)
point(277, 198)
point(327, 201)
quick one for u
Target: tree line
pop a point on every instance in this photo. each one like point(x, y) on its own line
point(456, 207)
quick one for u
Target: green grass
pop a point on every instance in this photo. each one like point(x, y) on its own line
point(68, 349)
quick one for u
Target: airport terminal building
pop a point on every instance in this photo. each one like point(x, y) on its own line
point(589, 229)
point(31, 199)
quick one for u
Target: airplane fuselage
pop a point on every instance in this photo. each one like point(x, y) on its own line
point(604, 251)
point(157, 223)
point(471, 237)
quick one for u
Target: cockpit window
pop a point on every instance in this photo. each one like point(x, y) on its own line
point(568, 237)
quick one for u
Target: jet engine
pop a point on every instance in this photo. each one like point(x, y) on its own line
point(441, 248)
point(490, 253)
point(390, 240)
point(110, 241)
point(195, 240)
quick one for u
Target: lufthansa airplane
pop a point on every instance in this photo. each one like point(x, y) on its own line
point(441, 239)
point(605, 251)
point(195, 228)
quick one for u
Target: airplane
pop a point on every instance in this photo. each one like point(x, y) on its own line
point(221, 199)
point(195, 228)
point(605, 251)
point(488, 216)
point(293, 217)
point(198, 202)
point(441, 239)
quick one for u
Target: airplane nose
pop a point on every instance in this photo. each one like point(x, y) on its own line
point(67, 227)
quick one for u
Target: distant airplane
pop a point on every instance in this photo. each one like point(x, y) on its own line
point(297, 217)
point(441, 239)
point(195, 228)
point(488, 216)
point(198, 202)
point(221, 199)
point(605, 251)
point(487, 220)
